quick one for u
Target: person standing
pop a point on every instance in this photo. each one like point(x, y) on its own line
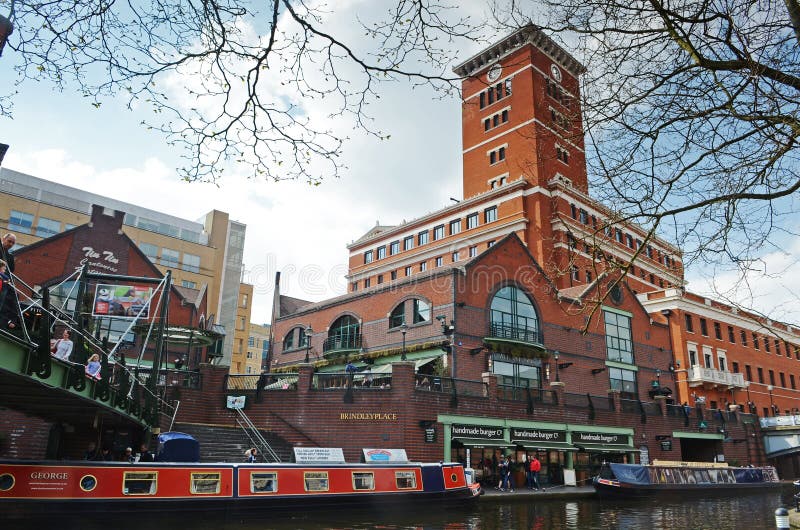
point(63, 346)
point(145, 455)
point(8, 241)
point(509, 481)
point(533, 473)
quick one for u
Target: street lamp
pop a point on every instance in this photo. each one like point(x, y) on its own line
point(403, 330)
point(555, 358)
point(658, 377)
point(771, 404)
point(308, 332)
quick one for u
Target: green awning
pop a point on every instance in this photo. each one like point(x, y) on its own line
point(557, 446)
point(602, 448)
point(477, 442)
point(426, 360)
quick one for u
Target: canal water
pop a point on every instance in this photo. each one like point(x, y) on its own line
point(736, 511)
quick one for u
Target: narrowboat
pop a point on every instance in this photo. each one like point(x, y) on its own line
point(115, 488)
point(635, 480)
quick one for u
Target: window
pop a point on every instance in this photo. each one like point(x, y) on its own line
point(367, 283)
point(191, 263)
point(344, 334)
point(454, 255)
point(205, 483)
point(766, 345)
point(363, 481)
point(315, 480)
point(382, 252)
point(778, 347)
point(588, 276)
point(408, 243)
point(755, 341)
point(405, 480)
point(354, 286)
point(718, 330)
point(489, 244)
point(20, 222)
point(369, 257)
point(472, 221)
point(455, 227)
point(513, 316)
point(473, 251)
point(394, 247)
point(708, 361)
point(562, 154)
point(244, 300)
point(689, 322)
point(423, 266)
point(422, 311)
point(422, 238)
point(692, 354)
point(619, 341)
point(748, 372)
point(735, 367)
point(649, 251)
point(703, 327)
point(619, 235)
point(629, 240)
point(151, 251)
point(497, 155)
point(731, 335)
point(792, 382)
point(380, 279)
point(772, 378)
point(241, 323)
point(251, 341)
point(263, 482)
point(439, 261)
point(624, 381)
point(408, 270)
point(140, 483)
point(393, 275)
point(743, 336)
point(187, 283)
point(555, 91)
point(490, 214)
point(169, 257)
point(559, 119)
point(47, 227)
point(584, 216)
point(398, 315)
point(574, 273)
point(760, 375)
point(783, 379)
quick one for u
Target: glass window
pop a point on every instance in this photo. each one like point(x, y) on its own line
point(368, 257)
point(140, 483)
point(619, 341)
point(423, 266)
point(513, 316)
point(439, 261)
point(47, 227)
point(689, 322)
point(703, 327)
point(345, 333)
point(455, 226)
point(624, 381)
point(422, 311)
point(169, 257)
point(422, 238)
point(490, 214)
point(408, 243)
point(151, 251)
point(382, 252)
point(191, 263)
point(363, 481)
point(205, 483)
point(455, 256)
point(316, 480)
point(472, 221)
point(409, 270)
point(438, 232)
point(718, 330)
point(405, 480)
point(394, 248)
point(731, 335)
point(288, 341)
point(398, 315)
point(187, 283)
point(20, 222)
point(473, 251)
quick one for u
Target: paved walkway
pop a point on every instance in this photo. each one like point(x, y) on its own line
point(568, 492)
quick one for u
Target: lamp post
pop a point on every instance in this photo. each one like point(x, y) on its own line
point(747, 387)
point(555, 358)
point(308, 332)
point(403, 330)
point(658, 377)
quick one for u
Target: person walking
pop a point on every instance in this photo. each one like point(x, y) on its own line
point(533, 473)
point(63, 346)
point(509, 484)
point(8, 241)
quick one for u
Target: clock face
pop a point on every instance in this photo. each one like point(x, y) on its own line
point(555, 71)
point(494, 73)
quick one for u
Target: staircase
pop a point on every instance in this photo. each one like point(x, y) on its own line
point(228, 444)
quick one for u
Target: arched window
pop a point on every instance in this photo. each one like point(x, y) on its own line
point(288, 341)
point(344, 334)
point(422, 311)
point(296, 338)
point(513, 316)
point(398, 315)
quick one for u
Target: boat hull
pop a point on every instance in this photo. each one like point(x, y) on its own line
point(623, 490)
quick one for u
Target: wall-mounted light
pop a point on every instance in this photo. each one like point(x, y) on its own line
point(596, 371)
point(561, 366)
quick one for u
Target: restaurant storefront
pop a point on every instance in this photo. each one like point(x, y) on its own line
point(570, 454)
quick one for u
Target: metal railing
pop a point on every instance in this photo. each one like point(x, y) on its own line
point(255, 437)
point(171, 377)
point(520, 393)
point(286, 381)
point(344, 381)
point(511, 332)
point(629, 405)
point(341, 343)
point(717, 377)
point(462, 387)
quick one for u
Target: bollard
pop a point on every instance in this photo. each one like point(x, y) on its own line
point(782, 518)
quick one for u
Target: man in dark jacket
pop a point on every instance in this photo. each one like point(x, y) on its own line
point(8, 241)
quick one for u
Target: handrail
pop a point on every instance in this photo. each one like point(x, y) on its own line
point(252, 432)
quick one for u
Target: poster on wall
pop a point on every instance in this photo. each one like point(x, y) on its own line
point(123, 301)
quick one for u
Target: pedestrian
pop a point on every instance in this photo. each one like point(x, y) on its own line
point(127, 456)
point(533, 473)
point(63, 346)
point(250, 455)
point(509, 482)
point(145, 455)
point(8, 241)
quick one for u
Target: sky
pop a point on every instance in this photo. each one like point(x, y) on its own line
point(292, 227)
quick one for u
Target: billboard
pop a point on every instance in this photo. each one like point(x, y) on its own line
point(123, 301)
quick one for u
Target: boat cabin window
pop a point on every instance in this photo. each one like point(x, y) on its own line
point(316, 480)
point(263, 482)
point(140, 483)
point(406, 480)
point(363, 481)
point(205, 483)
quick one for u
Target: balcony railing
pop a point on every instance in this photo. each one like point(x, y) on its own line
point(358, 381)
point(286, 381)
point(520, 393)
point(341, 343)
point(516, 333)
point(700, 374)
point(463, 387)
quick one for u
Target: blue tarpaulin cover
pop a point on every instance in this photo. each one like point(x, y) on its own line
point(631, 473)
point(177, 447)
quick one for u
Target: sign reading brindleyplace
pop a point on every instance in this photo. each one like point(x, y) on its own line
point(537, 435)
point(481, 432)
point(599, 438)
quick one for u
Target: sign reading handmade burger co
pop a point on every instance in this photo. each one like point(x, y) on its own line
point(478, 432)
point(537, 435)
point(599, 438)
